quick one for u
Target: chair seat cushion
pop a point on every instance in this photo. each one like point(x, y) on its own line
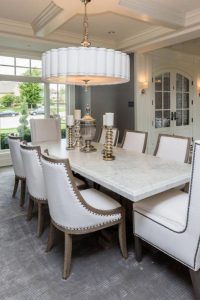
point(79, 183)
point(168, 209)
point(99, 200)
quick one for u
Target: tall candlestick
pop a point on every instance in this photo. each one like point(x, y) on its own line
point(70, 120)
point(77, 114)
point(109, 119)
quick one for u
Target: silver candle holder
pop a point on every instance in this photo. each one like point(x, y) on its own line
point(70, 144)
point(78, 138)
point(108, 147)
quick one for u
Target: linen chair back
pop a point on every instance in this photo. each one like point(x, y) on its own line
point(135, 140)
point(173, 147)
point(14, 145)
point(66, 205)
point(33, 171)
point(102, 138)
point(44, 130)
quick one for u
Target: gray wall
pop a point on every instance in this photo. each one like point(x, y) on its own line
point(113, 98)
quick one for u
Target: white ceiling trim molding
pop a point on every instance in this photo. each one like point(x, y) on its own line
point(192, 17)
point(147, 35)
point(12, 26)
point(50, 12)
point(153, 12)
point(169, 39)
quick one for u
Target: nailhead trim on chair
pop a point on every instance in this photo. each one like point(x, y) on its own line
point(187, 222)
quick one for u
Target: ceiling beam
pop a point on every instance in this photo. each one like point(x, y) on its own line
point(152, 12)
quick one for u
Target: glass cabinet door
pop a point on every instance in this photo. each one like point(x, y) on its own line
point(182, 100)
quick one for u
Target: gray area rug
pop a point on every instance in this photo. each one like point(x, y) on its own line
point(27, 272)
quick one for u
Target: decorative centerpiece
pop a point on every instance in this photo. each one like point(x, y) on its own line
point(108, 147)
point(70, 139)
point(88, 130)
point(78, 138)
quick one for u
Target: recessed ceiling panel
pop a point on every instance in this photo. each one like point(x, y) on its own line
point(180, 5)
point(106, 25)
point(22, 10)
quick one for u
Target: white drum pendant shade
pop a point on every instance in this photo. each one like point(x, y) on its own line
point(85, 66)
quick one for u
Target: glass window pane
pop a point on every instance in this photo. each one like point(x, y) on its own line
point(185, 117)
point(167, 100)
point(22, 71)
point(35, 63)
point(22, 62)
point(158, 119)
point(36, 72)
point(158, 83)
point(166, 119)
point(178, 100)
point(158, 100)
point(179, 82)
point(185, 84)
point(7, 70)
point(185, 100)
point(179, 118)
point(167, 82)
point(5, 60)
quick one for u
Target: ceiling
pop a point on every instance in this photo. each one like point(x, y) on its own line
point(34, 26)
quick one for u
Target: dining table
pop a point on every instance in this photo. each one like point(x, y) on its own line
point(134, 176)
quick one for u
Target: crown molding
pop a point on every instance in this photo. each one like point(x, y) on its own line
point(49, 13)
point(147, 35)
point(150, 11)
point(192, 17)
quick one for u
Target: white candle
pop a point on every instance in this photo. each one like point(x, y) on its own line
point(77, 114)
point(109, 119)
point(70, 120)
point(104, 120)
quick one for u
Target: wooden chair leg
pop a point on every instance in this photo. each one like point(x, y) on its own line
point(195, 276)
point(30, 209)
point(122, 236)
point(15, 186)
point(67, 255)
point(40, 224)
point(23, 192)
point(51, 237)
point(138, 249)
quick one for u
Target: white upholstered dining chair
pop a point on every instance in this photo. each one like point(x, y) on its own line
point(75, 212)
point(14, 145)
point(135, 140)
point(170, 222)
point(172, 147)
point(102, 136)
point(44, 130)
point(35, 183)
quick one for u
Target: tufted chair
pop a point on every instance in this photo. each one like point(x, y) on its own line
point(35, 183)
point(103, 136)
point(135, 140)
point(77, 212)
point(44, 130)
point(172, 147)
point(14, 145)
point(170, 222)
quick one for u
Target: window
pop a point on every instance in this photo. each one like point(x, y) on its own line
point(20, 66)
point(57, 102)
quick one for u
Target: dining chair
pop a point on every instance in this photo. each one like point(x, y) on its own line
point(102, 136)
point(172, 147)
point(44, 130)
point(170, 222)
point(135, 140)
point(14, 145)
point(77, 212)
point(35, 183)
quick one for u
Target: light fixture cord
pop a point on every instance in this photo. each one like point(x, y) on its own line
point(85, 42)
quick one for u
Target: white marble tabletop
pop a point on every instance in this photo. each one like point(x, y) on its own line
point(131, 175)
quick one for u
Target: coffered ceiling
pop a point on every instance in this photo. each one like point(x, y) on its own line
point(129, 25)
